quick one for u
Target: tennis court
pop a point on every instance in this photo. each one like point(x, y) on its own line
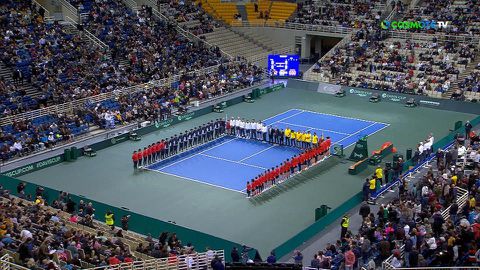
point(229, 162)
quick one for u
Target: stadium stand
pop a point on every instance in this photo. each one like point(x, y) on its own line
point(433, 221)
point(339, 12)
point(125, 63)
point(371, 60)
point(23, 137)
point(462, 15)
point(189, 15)
point(63, 236)
point(281, 11)
point(424, 56)
point(97, 73)
point(437, 217)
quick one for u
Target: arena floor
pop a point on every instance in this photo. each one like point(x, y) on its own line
point(110, 177)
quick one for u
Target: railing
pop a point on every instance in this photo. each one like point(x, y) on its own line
point(391, 14)
point(413, 4)
point(184, 262)
point(47, 16)
point(71, 9)
point(462, 197)
point(345, 40)
point(131, 4)
point(87, 33)
point(441, 268)
point(295, 26)
point(475, 39)
point(6, 263)
point(68, 107)
point(184, 32)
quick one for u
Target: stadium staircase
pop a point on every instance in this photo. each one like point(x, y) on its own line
point(234, 43)
point(231, 41)
point(252, 16)
point(455, 85)
point(7, 74)
point(87, 37)
point(242, 10)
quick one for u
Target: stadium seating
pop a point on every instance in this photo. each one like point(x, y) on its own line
point(87, 71)
point(281, 11)
point(47, 131)
point(463, 15)
point(49, 237)
point(418, 67)
point(224, 11)
point(347, 13)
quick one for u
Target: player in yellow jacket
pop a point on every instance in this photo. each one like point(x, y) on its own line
point(314, 140)
point(308, 139)
point(293, 135)
point(298, 138)
point(287, 136)
point(304, 140)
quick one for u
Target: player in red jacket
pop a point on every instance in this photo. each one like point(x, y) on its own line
point(144, 156)
point(135, 160)
point(328, 143)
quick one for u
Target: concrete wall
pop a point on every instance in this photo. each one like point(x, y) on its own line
point(287, 37)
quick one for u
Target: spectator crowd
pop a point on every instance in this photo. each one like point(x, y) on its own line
point(434, 221)
point(39, 236)
point(371, 60)
point(344, 13)
point(63, 67)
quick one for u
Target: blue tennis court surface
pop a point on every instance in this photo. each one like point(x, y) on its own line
point(230, 162)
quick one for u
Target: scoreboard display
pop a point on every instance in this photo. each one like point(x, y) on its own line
point(284, 65)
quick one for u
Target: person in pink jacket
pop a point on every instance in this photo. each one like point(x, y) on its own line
point(349, 259)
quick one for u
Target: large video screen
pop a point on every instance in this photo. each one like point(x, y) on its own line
point(284, 65)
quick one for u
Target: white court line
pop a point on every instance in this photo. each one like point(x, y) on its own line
point(257, 153)
point(178, 161)
point(361, 131)
point(232, 161)
point(310, 128)
point(279, 114)
point(194, 180)
point(340, 116)
point(295, 114)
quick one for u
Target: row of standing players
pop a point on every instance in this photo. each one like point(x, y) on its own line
point(274, 135)
point(178, 143)
point(214, 129)
point(282, 172)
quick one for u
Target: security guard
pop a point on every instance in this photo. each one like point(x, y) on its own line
point(345, 224)
point(379, 174)
point(110, 219)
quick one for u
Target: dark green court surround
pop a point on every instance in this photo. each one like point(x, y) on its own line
point(109, 176)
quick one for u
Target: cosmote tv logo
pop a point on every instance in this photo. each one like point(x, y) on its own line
point(405, 25)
